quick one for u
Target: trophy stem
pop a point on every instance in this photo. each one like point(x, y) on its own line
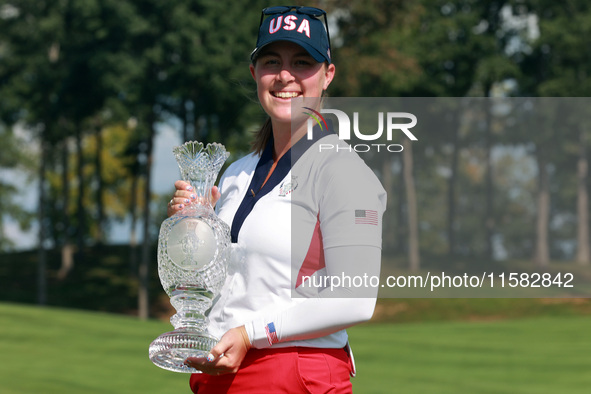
point(190, 304)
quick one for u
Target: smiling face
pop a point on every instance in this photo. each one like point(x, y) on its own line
point(284, 70)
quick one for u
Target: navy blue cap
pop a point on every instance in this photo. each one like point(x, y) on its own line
point(304, 30)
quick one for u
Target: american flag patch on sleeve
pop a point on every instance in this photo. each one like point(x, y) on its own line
point(366, 216)
point(271, 333)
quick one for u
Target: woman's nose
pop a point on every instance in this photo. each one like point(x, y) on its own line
point(285, 75)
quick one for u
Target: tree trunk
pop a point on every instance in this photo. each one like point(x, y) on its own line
point(451, 189)
point(133, 232)
point(184, 117)
point(42, 253)
point(100, 203)
point(401, 218)
point(542, 249)
point(489, 218)
point(67, 262)
point(80, 205)
point(411, 203)
point(583, 253)
point(388, 225)
point(143, 299)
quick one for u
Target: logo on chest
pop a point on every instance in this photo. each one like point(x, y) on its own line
point(288, 186)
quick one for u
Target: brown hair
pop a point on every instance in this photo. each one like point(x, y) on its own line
point(262, 137)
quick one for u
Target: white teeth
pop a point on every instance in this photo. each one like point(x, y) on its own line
point(286, 94)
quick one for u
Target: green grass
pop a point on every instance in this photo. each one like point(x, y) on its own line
point(50, 350)
point(409, 310)
point(534, 355)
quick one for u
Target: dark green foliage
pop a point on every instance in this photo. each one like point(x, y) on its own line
point(103, 281)
point(72, 71)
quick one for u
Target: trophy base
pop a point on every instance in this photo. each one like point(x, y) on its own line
point(171, 349)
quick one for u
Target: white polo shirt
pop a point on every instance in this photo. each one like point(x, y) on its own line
point(280, 232)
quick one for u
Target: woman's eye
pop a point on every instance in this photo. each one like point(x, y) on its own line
point(304, 62)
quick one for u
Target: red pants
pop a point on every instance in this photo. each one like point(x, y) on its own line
point(282, 370)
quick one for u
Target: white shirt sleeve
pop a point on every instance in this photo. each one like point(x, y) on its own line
point(339, 306)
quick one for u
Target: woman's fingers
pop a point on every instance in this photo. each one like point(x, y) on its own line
point(226, 356)
point(183, 185)
point(215, 195)
point(185, 195)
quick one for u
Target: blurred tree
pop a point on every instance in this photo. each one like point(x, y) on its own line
point(378, 35)
point(30, 80)
point(463, 50)
point(14, 156)
point(557, 64)
point(493, 67)
point(69, 58)
point(430, 48)
point(207, 56)
point(75, 67)
point(194, 62)
point(566, 36)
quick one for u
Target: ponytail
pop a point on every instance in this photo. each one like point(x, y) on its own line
point(262, 137)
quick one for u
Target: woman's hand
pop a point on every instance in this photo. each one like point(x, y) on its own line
point(185, 195)
point(226, 356)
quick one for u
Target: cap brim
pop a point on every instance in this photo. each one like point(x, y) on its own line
point(311, 50)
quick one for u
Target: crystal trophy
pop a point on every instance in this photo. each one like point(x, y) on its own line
point(193, 250)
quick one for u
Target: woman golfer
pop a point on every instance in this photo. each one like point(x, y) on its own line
point(305, 227)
